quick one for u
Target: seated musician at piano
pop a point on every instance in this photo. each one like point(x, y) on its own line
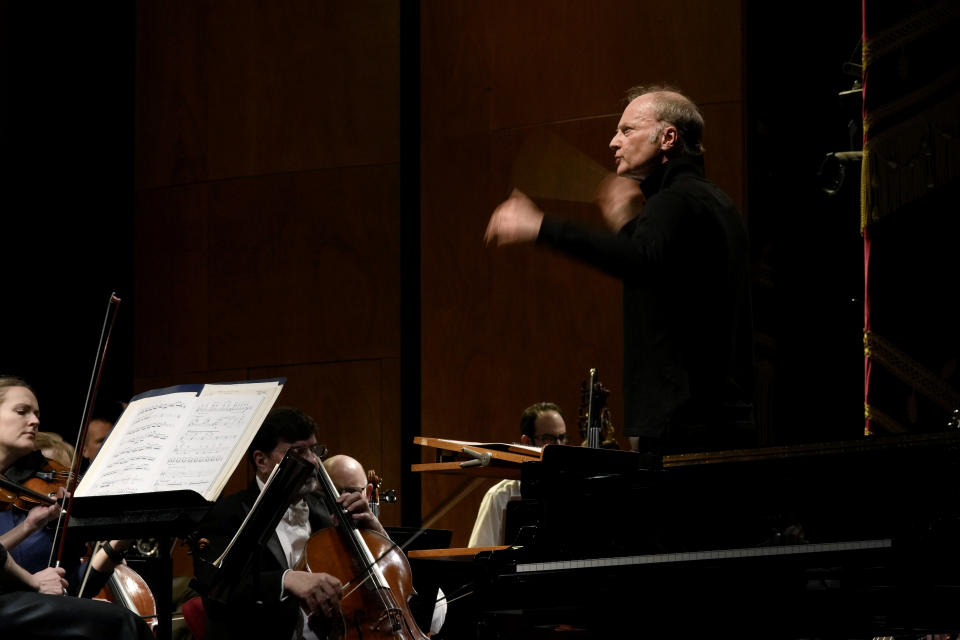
point(273, 600)
point(540, 424)
point(28, 533)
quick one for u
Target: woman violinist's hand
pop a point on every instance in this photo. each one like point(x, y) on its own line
point(39, 516)
point(357, 505)
point(319, 592)
point(50, 581)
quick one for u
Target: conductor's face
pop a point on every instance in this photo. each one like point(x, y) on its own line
point(637, 145)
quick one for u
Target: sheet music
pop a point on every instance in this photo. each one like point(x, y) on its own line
point(207, 438)
point(525, 448)
point(148, 426)
point(180, 441)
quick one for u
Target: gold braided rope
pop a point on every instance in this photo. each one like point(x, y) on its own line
point(910, 371)
point(878, 417)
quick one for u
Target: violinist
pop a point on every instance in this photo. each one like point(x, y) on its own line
point(273, 600)
point(27, 537)
point(31, 602)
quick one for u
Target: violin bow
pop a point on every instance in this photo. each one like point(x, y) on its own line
point(109, 319)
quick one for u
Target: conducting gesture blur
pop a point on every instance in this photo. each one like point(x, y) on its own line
point(517, 219)
point(620, 201)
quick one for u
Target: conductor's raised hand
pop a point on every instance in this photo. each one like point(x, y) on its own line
point(517, 219)
point(620, 200)
point(319, 592)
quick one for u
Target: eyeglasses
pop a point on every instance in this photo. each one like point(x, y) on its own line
point(548, 438)
point(319, 451)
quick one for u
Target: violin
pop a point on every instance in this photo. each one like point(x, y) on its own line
point(39, 489)
point(374, 572)
point(25, 498)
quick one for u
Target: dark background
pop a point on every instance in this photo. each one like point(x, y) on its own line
point(67, 143)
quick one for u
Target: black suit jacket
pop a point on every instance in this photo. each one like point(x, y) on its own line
point(251, 607)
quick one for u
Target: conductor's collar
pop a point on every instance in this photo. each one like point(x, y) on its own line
point(668, 171)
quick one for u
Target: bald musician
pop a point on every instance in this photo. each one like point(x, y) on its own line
point(273, 600)
point(348, 476)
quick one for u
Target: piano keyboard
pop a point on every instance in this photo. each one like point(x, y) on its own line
point(720, 554)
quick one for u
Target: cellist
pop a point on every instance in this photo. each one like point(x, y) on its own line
point(29, 606)
point(273, 600)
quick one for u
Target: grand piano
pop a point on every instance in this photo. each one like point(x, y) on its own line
point(836, 540)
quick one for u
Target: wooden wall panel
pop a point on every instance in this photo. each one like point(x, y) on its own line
point(528, 95)
point(283, 268)
point(267, 210)
point(171, 287)
point(255, 88)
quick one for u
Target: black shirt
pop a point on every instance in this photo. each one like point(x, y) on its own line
point(687, 326)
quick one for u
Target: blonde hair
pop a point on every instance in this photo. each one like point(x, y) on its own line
point(9, 382)
point(55, 448)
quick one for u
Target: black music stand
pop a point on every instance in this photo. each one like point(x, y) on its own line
point(163, 515)
point(166, 515)
point(282, 488)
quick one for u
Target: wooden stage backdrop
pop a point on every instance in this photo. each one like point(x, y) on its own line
point(268, 221)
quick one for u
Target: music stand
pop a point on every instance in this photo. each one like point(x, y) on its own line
point(163, 515)
point(166, 515)
point(281, 489)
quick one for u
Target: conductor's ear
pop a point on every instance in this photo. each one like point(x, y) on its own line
point(669, 138)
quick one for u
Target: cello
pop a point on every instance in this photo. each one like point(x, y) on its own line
point(374, 572)
point(128, 589)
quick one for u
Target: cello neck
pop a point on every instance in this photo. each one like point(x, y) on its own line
point(361, 552)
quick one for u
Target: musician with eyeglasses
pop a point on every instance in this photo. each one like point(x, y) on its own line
point(540, 425)
point(273, 599)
